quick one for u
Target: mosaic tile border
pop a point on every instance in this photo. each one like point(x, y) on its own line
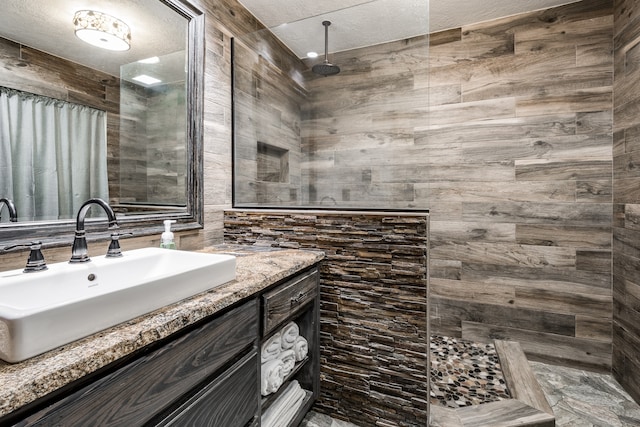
point(527, 405)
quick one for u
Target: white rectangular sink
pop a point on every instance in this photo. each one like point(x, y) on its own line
point(41, 311)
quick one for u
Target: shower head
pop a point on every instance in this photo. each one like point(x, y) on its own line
point(326, 68)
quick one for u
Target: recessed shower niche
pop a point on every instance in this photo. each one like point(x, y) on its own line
point(272, 163)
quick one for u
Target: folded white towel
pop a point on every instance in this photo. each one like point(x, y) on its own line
point(300, 348)
point(294, 406)
point(289, 411)
point(288, 358)
point(284, 409)
point(294, 401)
point(271, 348)
point(289, 334)
point(271, 376)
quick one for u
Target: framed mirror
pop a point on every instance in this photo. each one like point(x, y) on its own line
point(80, 118)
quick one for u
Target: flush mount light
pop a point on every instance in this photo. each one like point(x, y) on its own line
point(152, 60)
point(102, 30)
point(312, 54)
point(146, 80)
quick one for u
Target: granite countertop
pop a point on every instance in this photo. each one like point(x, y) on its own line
point(256, 269)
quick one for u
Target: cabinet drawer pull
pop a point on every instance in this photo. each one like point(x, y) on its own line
point(288, 299)
point(296, 299)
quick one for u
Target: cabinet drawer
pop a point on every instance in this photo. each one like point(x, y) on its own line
point(230, 401)
point(135, 393)
point(288, 299)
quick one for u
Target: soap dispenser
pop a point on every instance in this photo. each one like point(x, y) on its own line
point(166, 240)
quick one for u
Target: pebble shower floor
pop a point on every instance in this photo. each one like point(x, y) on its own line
point(465, 373)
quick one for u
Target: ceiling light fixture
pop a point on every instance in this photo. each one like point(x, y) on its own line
point(312, 54)
point(102, 30)
point(146, 80)
point(152, 60)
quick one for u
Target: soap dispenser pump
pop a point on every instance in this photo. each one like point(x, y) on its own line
point(166, 240)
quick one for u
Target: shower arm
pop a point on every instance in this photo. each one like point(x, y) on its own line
point(326, 41)
point(326, 68)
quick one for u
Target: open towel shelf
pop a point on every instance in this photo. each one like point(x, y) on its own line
point(290, 309)
point(304, 408)
point(267, 400)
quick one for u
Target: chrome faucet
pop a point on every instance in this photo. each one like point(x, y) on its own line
point(79, 251)
point(13, 213)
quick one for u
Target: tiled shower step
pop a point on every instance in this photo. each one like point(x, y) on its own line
point(527, 407)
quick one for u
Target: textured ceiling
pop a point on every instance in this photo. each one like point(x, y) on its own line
point(358, 23)
point(157, 30)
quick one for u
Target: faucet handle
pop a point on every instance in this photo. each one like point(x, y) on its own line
point(114, 250)
point(36, 260)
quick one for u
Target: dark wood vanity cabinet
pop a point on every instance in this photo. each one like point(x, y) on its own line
point(229, 401)
point(208, 375)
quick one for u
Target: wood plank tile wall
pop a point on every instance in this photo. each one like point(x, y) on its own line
point(626, 197)
point(362, 129)
point(267, 129)
point(514, 164)
point(226, 19)
point(523, 253)
point(519, 184)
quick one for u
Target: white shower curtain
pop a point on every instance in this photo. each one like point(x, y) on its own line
point(53, 155)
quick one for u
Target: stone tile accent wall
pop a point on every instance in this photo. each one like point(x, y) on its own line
point(626, 197)
point(373, 321)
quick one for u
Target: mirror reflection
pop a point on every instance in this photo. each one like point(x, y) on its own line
point(81, 119)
